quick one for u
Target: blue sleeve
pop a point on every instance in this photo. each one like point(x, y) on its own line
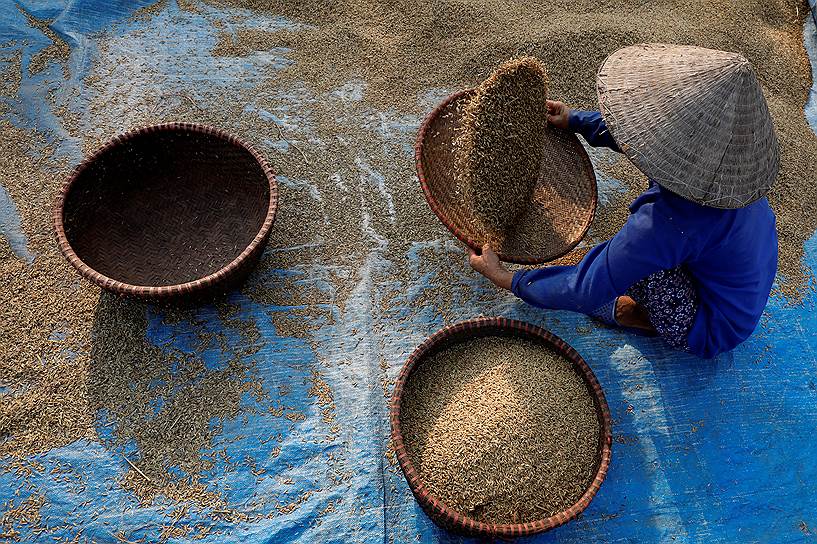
point(647, 243)
point(592, 127)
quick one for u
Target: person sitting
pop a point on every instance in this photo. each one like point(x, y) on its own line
point(696, 259)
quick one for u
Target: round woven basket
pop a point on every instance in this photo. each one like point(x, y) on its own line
point(167, 212)
point(563, 204)
point(441, 514)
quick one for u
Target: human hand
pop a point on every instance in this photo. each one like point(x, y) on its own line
point(558, 114)
point(489, 266)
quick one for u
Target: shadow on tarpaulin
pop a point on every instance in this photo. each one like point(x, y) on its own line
point(704, 451)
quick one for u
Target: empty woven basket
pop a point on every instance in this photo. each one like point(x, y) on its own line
point(167, 211)
point(564, 200)
point(439, 512)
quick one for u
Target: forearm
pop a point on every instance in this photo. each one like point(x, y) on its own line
point(593, 128)
point(502, 278)
point(647, 243)
point(581, 288)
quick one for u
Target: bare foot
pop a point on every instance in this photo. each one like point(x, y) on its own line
point(631, 314)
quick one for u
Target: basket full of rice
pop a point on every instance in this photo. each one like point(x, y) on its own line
point(493, 170)
point(501, 429)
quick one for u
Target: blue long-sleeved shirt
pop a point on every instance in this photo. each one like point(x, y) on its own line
point(731, 254)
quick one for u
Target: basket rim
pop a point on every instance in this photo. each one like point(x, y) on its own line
point(439, 211)
point(164, 291)
point(467, 524)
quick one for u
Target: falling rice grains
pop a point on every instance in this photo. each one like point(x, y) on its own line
point(500, 143)
point(500, 429)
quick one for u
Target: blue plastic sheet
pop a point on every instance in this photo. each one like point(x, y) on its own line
point(810, 41)
point(704, 451)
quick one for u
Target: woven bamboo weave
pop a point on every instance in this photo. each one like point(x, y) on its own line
point(564, 200)
point(692, 119)
point(168, 211)
point(439, 512)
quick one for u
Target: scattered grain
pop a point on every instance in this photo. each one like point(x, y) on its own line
point(243, 43)
point(57, 51)
point(401, 49)
point(27, 512)
point(394, 52)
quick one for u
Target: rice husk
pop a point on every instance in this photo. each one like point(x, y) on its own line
point(500, 143)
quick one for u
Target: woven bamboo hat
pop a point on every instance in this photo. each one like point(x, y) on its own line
point(694, 120)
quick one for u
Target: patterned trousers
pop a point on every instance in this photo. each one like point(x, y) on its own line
point(670, 298)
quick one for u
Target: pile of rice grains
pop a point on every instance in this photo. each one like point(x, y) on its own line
point(398, 51)
point(500, 429)
point(403, 49)
point(500, 144)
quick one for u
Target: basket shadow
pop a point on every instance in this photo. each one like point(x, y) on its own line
point(156, 405)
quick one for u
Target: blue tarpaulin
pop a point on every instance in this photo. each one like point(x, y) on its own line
point(704, 451)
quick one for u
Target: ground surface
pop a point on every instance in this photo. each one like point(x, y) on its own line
point(263, 417)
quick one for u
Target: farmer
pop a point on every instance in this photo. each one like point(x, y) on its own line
point(695, 261)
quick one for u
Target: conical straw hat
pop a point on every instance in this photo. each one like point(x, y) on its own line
point(693, 120)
